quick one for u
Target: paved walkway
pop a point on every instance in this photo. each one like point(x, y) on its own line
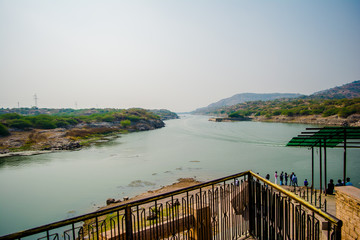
point(330, 199)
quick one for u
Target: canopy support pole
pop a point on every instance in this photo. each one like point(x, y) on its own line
point(320, 166)
point(325, 169)
point(344, 170)
point(312, 169)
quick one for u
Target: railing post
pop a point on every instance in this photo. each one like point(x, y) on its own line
point(128, 223)
point(251, 206)
point(338, 230)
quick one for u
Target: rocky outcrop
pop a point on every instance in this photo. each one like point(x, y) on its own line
point(227, 119)
point(143, 125)
point(68, 139)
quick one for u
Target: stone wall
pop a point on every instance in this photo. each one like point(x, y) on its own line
point(348, 210)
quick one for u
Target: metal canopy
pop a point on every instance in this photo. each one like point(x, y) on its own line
point(327, 136)
point(333, 137)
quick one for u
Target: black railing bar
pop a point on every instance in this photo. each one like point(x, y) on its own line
point(326, 136)
point(333, 128)
point(183, 190)
point(303, 202)
point(337, 146)
point(331, 132)
point(88, 216)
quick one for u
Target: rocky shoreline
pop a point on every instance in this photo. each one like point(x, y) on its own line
point(352, 121)
point(335, 120)
point(38, 141)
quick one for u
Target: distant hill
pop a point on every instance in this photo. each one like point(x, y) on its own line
point(350, 90)
point(346, 91)
point(244, 97)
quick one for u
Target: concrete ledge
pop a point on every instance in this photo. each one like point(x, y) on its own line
point(351, 191)
point(348, 210)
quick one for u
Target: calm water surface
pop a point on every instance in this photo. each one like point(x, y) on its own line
point(39, 189)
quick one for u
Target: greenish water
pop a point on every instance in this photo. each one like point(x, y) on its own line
point(39, 189)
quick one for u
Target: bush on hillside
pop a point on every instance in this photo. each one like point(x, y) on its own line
point(4, 131)
point(125, 123)
point(20, 124)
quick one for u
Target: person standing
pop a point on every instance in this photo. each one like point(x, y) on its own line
point(267, 176)
point(281, 178)
point(294, 179)
point(275, 175)
point(286, 178)
point(291, 178)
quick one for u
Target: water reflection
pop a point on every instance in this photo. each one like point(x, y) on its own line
point(21, 161)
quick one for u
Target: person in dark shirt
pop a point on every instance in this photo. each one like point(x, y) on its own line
point(330, 189)
point(267, 177)
point(339, 183)
point(306, 183)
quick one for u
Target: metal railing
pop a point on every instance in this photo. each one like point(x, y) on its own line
point(313, 196)
point(232, 207)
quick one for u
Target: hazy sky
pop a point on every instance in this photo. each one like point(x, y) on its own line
point(173, 54)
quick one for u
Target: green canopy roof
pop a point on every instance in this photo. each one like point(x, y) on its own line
point(327, 137)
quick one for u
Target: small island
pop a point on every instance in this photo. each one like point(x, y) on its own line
point(229, 119)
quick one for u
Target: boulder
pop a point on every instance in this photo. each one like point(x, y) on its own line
point(110, 201)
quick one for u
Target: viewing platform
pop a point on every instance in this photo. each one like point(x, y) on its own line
point(240, 206)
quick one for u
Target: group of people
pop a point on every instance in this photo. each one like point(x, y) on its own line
point(284, 177)
point(330, 188)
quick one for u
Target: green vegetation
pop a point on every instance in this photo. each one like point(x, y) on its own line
point(124, 118)
point(125, 123)
point(294, 108)
point(4, 131)
point(237, 114)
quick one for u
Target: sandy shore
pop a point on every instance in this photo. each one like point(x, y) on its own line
point(182, 183)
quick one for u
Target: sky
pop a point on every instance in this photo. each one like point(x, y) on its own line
point(172, 54)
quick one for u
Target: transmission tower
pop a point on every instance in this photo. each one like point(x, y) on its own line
point(35, 99)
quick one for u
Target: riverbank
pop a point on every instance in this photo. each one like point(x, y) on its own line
point(335, 120)
point(38, 141)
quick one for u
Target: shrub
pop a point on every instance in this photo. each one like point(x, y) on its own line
point(4, 131)
point(62, 123)
point(10, 116)
point(330, 112)
point(125, 123)
point(20, 124)
point(108, 118)
point(235, 115)
point(133, 118)
point(45, 124)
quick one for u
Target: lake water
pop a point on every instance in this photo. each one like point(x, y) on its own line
point(39, 189)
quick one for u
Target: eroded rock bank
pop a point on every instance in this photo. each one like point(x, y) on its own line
point(38, 141)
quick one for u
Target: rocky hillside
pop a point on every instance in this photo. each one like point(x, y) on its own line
point(242, 98)
point(346, 91)
point(350, 90)
point(336, 106)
